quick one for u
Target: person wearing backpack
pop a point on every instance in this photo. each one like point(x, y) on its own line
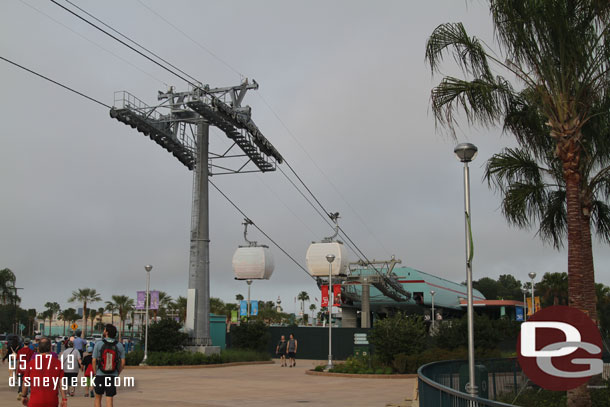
point(108, 362)
point(71, 361)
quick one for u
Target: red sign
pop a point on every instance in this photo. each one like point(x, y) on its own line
point(559, 348)
point(324, 296)
point(336, 295)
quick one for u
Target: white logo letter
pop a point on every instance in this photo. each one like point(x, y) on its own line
point(528, 338)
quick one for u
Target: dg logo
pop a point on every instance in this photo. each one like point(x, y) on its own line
point(559, 348)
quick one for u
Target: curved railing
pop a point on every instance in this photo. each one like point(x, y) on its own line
point(441, 384)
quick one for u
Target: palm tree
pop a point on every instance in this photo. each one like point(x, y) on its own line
point(31, 319)
point(554, 287)
point(44, 315)
point(112, 308)
point(92, 315)
point(181, 308)
point(312, 308)
point(164, 301)
point(100, 317)
point(124, 305)
point(239, 297)
point(7, 287)
point(558, 51)
point(303, 296)
point(61, 317)
point(53, 308)
point(85, 295)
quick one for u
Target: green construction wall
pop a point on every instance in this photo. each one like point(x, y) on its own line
point(218, 330)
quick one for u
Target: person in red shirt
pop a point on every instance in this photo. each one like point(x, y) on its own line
point(44, 375)
point(23, 356)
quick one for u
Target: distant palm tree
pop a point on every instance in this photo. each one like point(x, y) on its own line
point(31, 319)
point(553, 287)
point(7, 287)
point(181, 308)
point(303, 296)
point(85, 295)
point(92, 315)
point(124, 305)
point(312, 308)
point(53, 308)
point(164, 301)
point(61, 317)
point(112, 308)
point(100, 317)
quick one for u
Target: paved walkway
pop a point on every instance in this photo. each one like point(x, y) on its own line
point(254, 385)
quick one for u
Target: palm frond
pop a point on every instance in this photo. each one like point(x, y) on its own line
point(483, 101)
point(469, 52)
point(554, 219)
point(600, 218)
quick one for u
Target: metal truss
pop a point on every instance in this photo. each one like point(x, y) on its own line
point(172, 125)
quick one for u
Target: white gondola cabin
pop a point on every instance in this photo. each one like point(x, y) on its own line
point(317, 263)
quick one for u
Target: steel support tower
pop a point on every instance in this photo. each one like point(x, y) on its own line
point(181, 125)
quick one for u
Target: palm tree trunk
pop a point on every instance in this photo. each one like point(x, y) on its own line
point(64, 327)
point(85, 319)
point(578, 278)
point(587, 253)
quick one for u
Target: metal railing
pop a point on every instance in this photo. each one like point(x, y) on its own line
point(441, 384)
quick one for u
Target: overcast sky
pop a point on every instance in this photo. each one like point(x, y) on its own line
point(87, 201)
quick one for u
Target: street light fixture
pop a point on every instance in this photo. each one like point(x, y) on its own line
point(330, 258)
point(466, 152)
point(532, 275)
point(432, 292)
point(148, 267)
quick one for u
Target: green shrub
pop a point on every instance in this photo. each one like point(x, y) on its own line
point(134, 358)
point(400, 363)
point(250, 335)
point(489, 334)
point(399, 333)
point(319, 368)
point(380, 371)
point(243, 355)
point(165, 336)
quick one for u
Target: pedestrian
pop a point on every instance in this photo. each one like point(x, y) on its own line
point(13, 348)
point(280, 350)
point(23, 357)
point(79, 343)
point(88, 372)
point(71, 361)
point(108, 362)
point(43, 378)
point(58, 346)
point(292, 350)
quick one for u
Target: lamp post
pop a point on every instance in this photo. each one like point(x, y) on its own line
point(532, 275)
point(432, 292)
point(466, 152)
point(148, 267)
point(249, 282)
point(524, 303)
point(330, 258)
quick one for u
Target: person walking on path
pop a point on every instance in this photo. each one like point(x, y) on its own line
point(292, 350)
point(23, 357)
point(44, 377)
point(88, 372)
point(71, 361)
point(79, 343)
point(108, 362)
point(280, 350)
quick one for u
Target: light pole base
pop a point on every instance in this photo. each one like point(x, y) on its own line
point(329, 365)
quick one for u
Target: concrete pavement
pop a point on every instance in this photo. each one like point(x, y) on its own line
point(254, 385)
